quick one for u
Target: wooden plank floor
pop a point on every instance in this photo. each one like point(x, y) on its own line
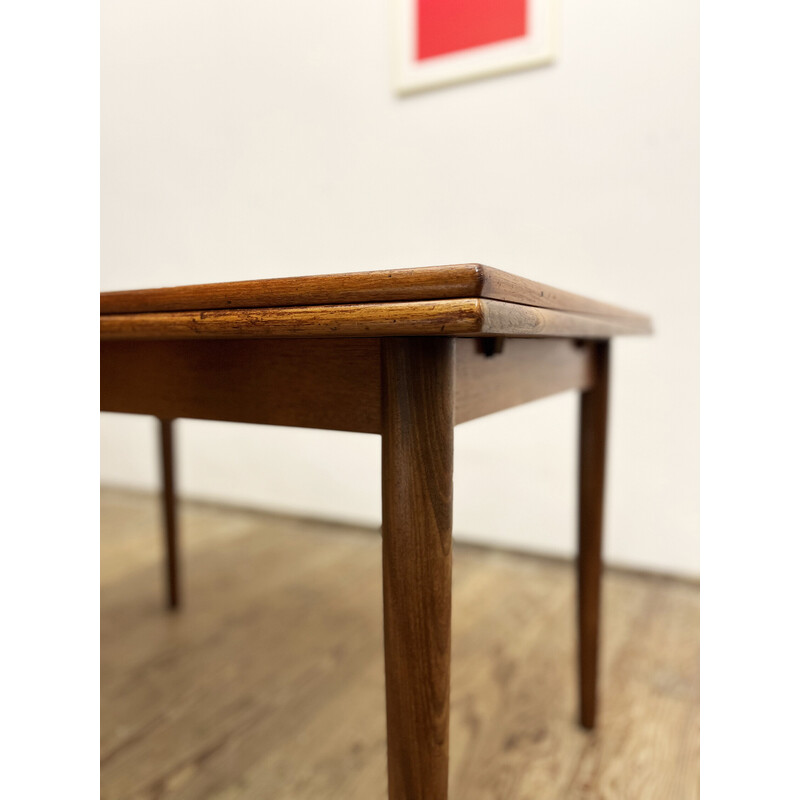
point(270, 683)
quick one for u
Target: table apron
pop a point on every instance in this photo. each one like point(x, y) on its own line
point(327, 383)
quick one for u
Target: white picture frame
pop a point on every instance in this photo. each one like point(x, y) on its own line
point(535, 49)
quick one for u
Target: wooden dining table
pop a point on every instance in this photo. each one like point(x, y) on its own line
point(407, 354)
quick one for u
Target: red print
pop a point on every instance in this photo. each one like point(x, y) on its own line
point(446, 26)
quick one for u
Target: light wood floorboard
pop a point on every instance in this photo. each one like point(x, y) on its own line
point(269, 683)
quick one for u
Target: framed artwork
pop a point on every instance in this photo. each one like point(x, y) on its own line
point(439, 42)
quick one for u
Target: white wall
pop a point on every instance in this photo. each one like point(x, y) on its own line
point(246, 139)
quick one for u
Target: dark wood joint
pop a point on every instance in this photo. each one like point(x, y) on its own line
point(490, 345)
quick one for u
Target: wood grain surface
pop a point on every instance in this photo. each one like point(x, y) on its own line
point(418, 377)
point(270, 683)
point(448, 317)
point(416, 283)
point(524, 370)
point(462, 317)
point(318, 383)
point(512, 319)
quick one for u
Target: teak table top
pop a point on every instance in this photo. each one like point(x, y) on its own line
point(456, 300)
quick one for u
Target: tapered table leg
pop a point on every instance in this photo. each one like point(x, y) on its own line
point(593, 427)
point(171, 549)
point(417, 465)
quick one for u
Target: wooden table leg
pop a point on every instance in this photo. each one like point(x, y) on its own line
point(171, 551)
point(593, 426)
point(417, 463)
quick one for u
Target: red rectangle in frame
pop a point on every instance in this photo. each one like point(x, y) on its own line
point(448, 26)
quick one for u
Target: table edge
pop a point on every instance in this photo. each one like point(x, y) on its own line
point(450, 317)
point(453, 281)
